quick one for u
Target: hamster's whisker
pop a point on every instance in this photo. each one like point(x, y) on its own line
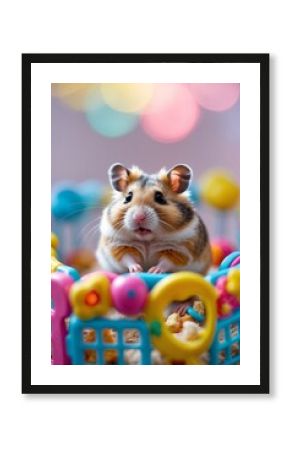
point(81, 209)
point(85, 233)
point(96, 220)
point(93, 231)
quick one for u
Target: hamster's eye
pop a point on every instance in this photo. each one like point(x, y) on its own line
point(128, 197)
point(159, 198)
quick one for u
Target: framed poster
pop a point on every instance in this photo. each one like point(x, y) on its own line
point(145, 176)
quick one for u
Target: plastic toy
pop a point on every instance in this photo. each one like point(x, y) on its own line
point(91, 297)
point(233, 283)
point(179, 287)
point(105, 318)
point(227, 302)
point(129, 294)
point(60, 283)
point(87, 297)
point(100, 349)
point(232, 260)
point(226, 345)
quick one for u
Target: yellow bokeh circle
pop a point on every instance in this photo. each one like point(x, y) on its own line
point(127, 97)
point(78, 96)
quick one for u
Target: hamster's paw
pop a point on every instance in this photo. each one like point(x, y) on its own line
point(135, 268)
point(163, 266)
point(156, 269)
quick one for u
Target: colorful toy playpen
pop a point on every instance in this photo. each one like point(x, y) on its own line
point(104, 318)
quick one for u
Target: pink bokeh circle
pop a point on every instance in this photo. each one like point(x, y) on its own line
point(216, 96)
point(172, 113)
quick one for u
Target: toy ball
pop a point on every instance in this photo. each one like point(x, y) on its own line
point(220, 248)
point(219, 190)
point(67, 203)
point(129, 294)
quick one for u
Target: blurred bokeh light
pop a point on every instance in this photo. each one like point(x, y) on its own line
point(109, 122)
point(216, 96)
point(75, 95)
point(127, 97)
point(172, 113)
point(168, 112)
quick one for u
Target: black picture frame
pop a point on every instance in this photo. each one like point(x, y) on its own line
point(263, 61)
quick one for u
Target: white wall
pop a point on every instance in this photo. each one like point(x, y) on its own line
point(74, 422)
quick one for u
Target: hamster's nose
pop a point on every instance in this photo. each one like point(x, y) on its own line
point(139, 217)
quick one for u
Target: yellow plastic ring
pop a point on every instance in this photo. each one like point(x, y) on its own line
point(179, 287)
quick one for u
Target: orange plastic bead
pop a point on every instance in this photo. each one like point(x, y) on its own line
point(92, 298)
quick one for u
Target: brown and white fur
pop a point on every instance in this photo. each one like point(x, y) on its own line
point(151, 225)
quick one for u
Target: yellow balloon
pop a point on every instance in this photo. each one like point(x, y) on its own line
point(127, 97)
point(219, 190)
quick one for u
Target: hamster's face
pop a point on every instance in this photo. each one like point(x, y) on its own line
point(148, 206)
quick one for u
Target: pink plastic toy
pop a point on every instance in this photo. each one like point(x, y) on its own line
point(129, 294)
point(60, 284)
point(235, 262)
point(226, 302)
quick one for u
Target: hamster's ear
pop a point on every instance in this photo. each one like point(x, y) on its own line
point(119, 177)
point(179, 177)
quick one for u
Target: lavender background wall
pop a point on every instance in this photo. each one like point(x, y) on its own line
point(79, 153)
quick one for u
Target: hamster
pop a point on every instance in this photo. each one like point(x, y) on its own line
point(151, 225)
